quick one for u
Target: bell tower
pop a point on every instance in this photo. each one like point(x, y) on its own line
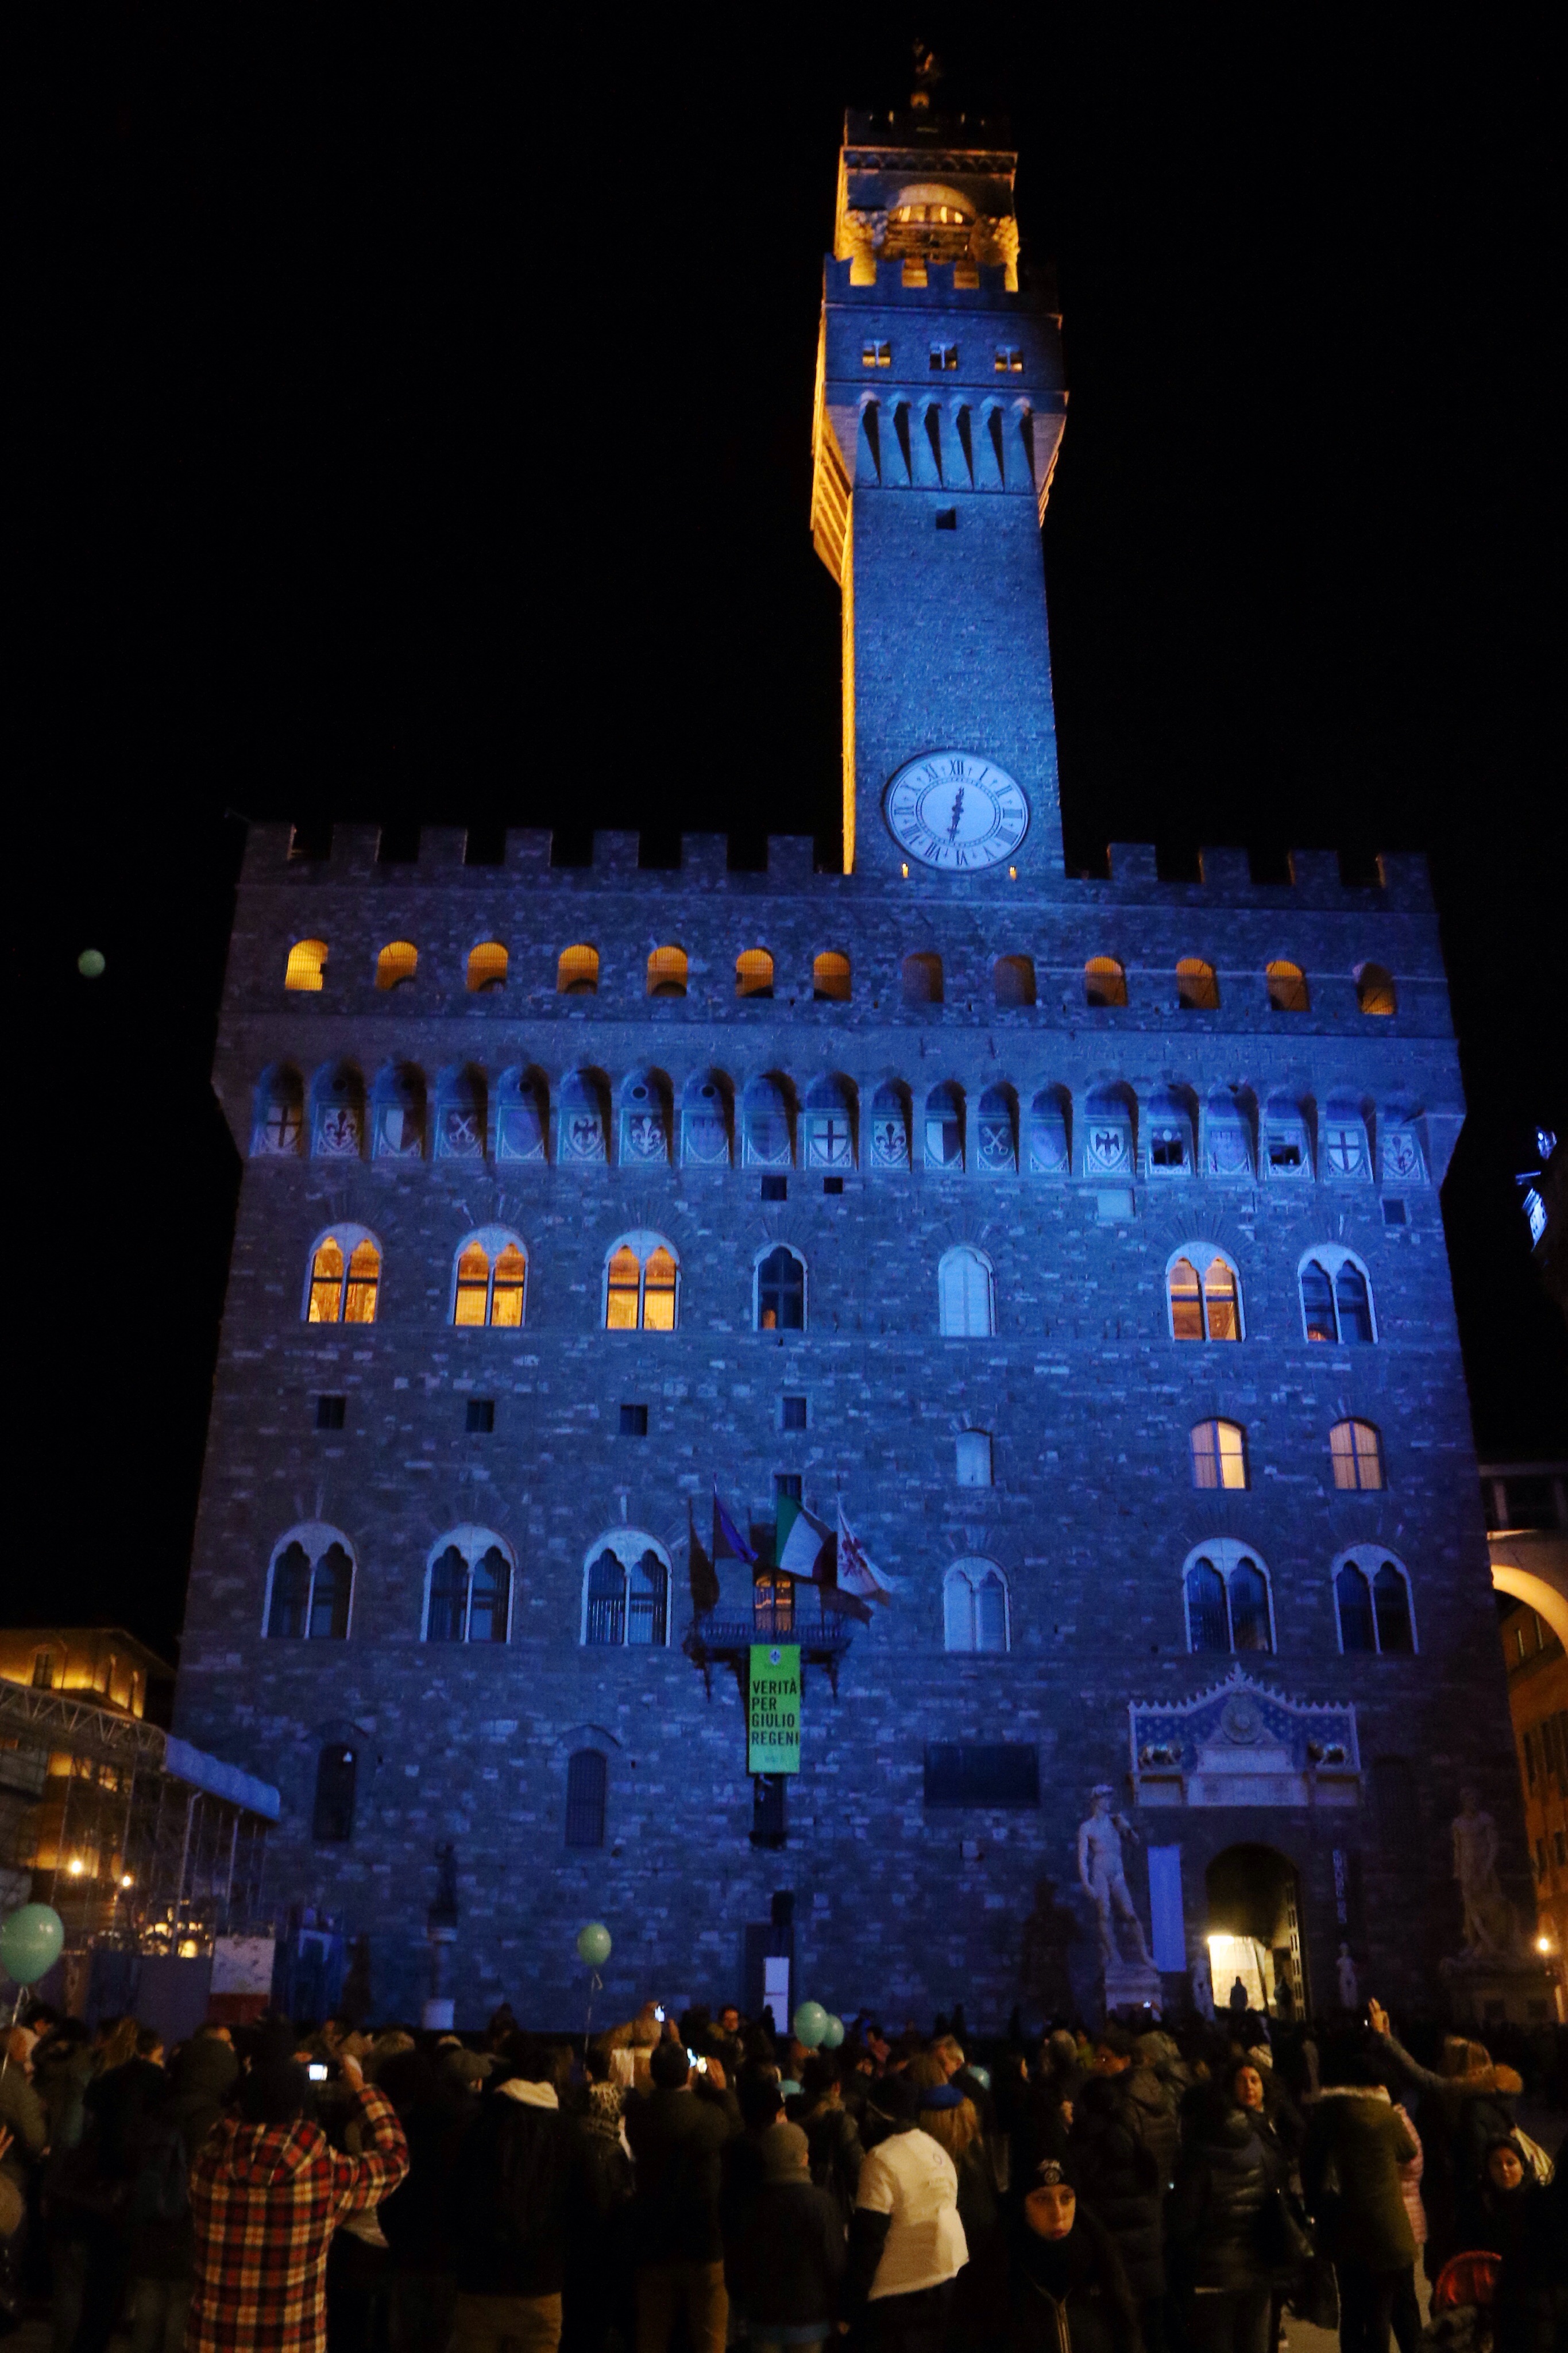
point(940, 407)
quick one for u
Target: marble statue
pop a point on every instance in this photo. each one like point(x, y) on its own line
point(1490, 1931)
point(1102, 1876)
point(1202, 1983)
point(1349, 1984)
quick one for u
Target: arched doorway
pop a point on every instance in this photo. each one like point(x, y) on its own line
point(1254, 1928)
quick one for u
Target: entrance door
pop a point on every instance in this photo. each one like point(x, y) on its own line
point(1255, 1929)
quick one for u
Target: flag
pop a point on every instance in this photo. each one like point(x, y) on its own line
point(699, 1570)
point(857, 1574)
point(802, 1543)
point(729, 1544)
point(844, 1605)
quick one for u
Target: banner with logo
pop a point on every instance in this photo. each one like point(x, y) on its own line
point(773, 1708)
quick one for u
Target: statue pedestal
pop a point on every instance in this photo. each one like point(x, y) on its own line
point(1131, 1986)
point(1523, 1991)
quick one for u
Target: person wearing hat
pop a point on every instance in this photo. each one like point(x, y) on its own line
point(1068, 2292)
point(907, 2245)
point(787, 2257)
point(951, 2117)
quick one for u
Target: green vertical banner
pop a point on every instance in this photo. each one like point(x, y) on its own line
point(773, 1708)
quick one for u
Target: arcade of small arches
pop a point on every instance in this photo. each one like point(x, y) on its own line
point(1111, 1133)
point(471, 1578)
point(667, 972)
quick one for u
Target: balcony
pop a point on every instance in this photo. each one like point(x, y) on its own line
point(800, 1615)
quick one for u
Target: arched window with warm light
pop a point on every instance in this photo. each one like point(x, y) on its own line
point(1104, 981)
point(1336, 1298)
point(753, 973)
point(827, 1125)
point(310, 1584)
point(625, 1592)
point(306, 964)
point(1218, 1452)
point(279, 1124)
point(343, 1285)
point(1288, 991)
point(830, 978)
point(667, 972)
point(1013, 978)
point(1355, 1450)
point(975, 1607)
point(1372, 1603)
point(487, 966)
point(641, 1281)
point(468, 1578)
point(491, 1280)
point(577, 972)
point(943, 1126)
point(921, 979)
point(781, 1290)
point(1198, 986)
point(1229, 1606)
point(1374, 990)
point(398, 962)
point(966, 1295)
point(1203, 1292)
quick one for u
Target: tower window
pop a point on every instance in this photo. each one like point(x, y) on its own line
point(1371, 1602)
point(586, 1778)
point(947, 518)
point(627, 1605)
point(791, 1413)
point(486, 966)
point(775, 1188)
point(329, 1411)
point(781, 1292)
point(972, 1458)
point(306, 964)
point(1009, 360)
point(1204, 1306)
point(667, 972)
point(469, 1591)
point(830, 978)
point(1336, 1300)
point(1219, 1454)
point(1287, 990)
point(943, 358)
point(922, 980)
point(1374, 989)
point(875, 355)
point(490, 1287)
point(1014, 976)
point(1355, 1450)
point(1227, 1600)
point(640, 1289)
point(577, 972)
point(344, 1285)
point(311, 1588)
point(1104, 981)
point(1198, 987)
point(1395, 1212)
point(479, 1417)
point(332, 1816)
point(398, 962)
point(975, 1606)
point(769, 1825)
point(634, 1421)
point(966, 1297)
point(753, 973)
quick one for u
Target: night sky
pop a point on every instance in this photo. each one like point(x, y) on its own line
point(419, 428)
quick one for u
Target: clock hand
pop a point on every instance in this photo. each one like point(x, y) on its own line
point(957, 813)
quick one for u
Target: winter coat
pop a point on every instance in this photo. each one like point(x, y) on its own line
point(510, 2192)
point(22, 2113)
point(1410, 2180)
point(676, 2137)
point(1119, 2177)
point(1458, 2117)
point(1089, 2309)
point(785, 2262)
point(1350, 2171)
point(1219, 2217)
point(1530, 2312)
point(837, 2156)
point(1159, 2122)
point(204, 2075)
point(435, 2112)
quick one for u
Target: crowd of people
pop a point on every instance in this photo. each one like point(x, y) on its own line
point(685, 2185)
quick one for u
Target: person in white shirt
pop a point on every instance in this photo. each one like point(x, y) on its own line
point(906, 2243)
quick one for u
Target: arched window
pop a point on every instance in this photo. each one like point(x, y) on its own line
point(1287, 990)
point(641, 1276)
point(1345, 1155)
point(975, 1606)
point(922, 980)
point(280, 1115)
point(1219, 1454)
point(587, 1781)
point(1013, 978)
point(1375, 991)
point(830, 978)
point(753, 973)
point(827, 1125)
point(467, 1588)
point(1355, 1450)
point(705, 1116)
point(1198, 986)
point(1046, 1132)
point(997, 1130)
point(486, 966)
point(971, 1453)
point(1204, 1305)
point(337, 1123)
point(397, 1130)
point(577, 972)
point(767, 1124)
point(667, 972)
point(1168, 1135)
point(1336, 1298)
point(345, 1278)
point(1227, 1135)
point(491, 1280)
point(1286, 1155)
point(306, 964)
point(584, 1117)
point(460, 1114)
point(626, 1597)
point(522, 1115)
point(944, 1130)
point(332, 1814)
point(1104, 981)
point(1371, 1602)
point(966, 1295)
point(1228, 1603)
point(645, 1120)
point(310, 1586)
point(781, 1292)
point(890, 1127)
point(398, 962)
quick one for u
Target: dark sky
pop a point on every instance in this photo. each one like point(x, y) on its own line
point(419, 428)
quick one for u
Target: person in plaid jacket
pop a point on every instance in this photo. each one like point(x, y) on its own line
point(267, 2190)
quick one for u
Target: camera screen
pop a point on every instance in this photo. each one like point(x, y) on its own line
point(317, 2071)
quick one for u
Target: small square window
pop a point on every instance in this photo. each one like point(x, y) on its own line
point(634, 1421)
point(791, 1413)
point(1395, 1212)
point(1009, 360)
point(974, 1465)
point(943, 357)
point(775, 1188)
point(481, 1419)
point(833, 1184)
point(786, 1486)
point(947, 518)
point(330, 1412)
point(875, 355)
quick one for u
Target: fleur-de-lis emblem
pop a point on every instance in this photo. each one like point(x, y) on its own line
point(340, 1129)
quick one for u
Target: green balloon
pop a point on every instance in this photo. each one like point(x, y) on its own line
point(593, 1943)
point(810, 2024)
point(30, 1942)
point(89, 963)
point(835, 2035)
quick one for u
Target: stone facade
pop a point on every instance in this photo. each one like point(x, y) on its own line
point(1087, 1396)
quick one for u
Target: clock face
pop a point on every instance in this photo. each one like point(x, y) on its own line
point(956, 811)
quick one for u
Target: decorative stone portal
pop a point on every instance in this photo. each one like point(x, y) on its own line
point(1242, 1743)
